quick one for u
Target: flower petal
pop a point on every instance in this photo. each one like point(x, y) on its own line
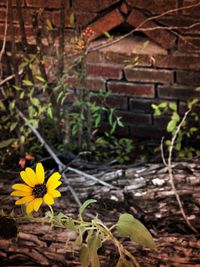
point(37, 203)
point(22, 187)
point(20, 193)
point(54, 193)
point(26, 179)
point(40, 173)
point(53, 185)
point(54, 177)
point(31, 175)
point(48, 199)
point(24, 200)
point(30, 207)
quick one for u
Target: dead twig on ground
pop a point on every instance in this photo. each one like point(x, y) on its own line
point(62, 167)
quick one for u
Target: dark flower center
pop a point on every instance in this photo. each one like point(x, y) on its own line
point(39, 190)
point(8, 227)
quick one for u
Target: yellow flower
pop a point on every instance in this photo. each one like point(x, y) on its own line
point(35, 191)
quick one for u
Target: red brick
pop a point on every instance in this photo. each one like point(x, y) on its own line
point(27, 15)
point(155, 6)
point(106, 23)
point(105, 71)
point(148, 75)
point(94, 57)
point(124, 88)
point(160, 36)
point(81, 18)
point(124, 8)
point(180, 61)
point(29, 32)
point(131, 118)
point(191, 44)
point(95, 83)
point(123, 59)
point(177, 92)
point(46, 3)
point(3, 2)
point(183, 24)
point(193, 11)
point(188, 77)
point(117, 102)
point(87, 5)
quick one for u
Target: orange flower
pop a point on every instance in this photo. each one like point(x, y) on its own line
point(22, 163)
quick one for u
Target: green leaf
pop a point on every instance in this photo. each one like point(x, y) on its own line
point(171, 126)
point(85, 205)
point(163, 105)
point(13, 126)
point(84, 256)
point(49, 24)
point(6, 143)
point(35, 102)
point(27, 83)
point(72, 20)
point(107, 34)
point(40, 78)
point(173, 106)
point(94, 243)
point(175, 117)
point(128, 226)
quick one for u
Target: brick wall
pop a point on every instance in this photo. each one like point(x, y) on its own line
point(167, 68)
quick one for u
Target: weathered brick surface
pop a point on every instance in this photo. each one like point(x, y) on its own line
point(131, 118)
point(123, 59)
point(81, 18)
point(124, 88)
point(87, 5)
point(95, 84)
point(160, 36)
point(194, 11)
point(184, 24)
point(124, 8)
point(188, 78)
point(120, 131)
point(177, 92)
point(191, 44)
point(114, 101)
point(155, 6)
point(27, 15)
point(148, 75)
point(104, 70)
point(4, 2)
point(184, 62)
point(106, 23)
point(46, 3)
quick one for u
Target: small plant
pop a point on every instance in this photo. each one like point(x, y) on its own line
point(36, 190)
point(187, 131)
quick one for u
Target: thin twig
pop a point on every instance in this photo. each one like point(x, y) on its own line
point(5, 34)
point(170, 171)
point(61, 166)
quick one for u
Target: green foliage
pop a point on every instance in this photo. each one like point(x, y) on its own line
point(128, 226)
point(97, 233)
point(186, 132)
